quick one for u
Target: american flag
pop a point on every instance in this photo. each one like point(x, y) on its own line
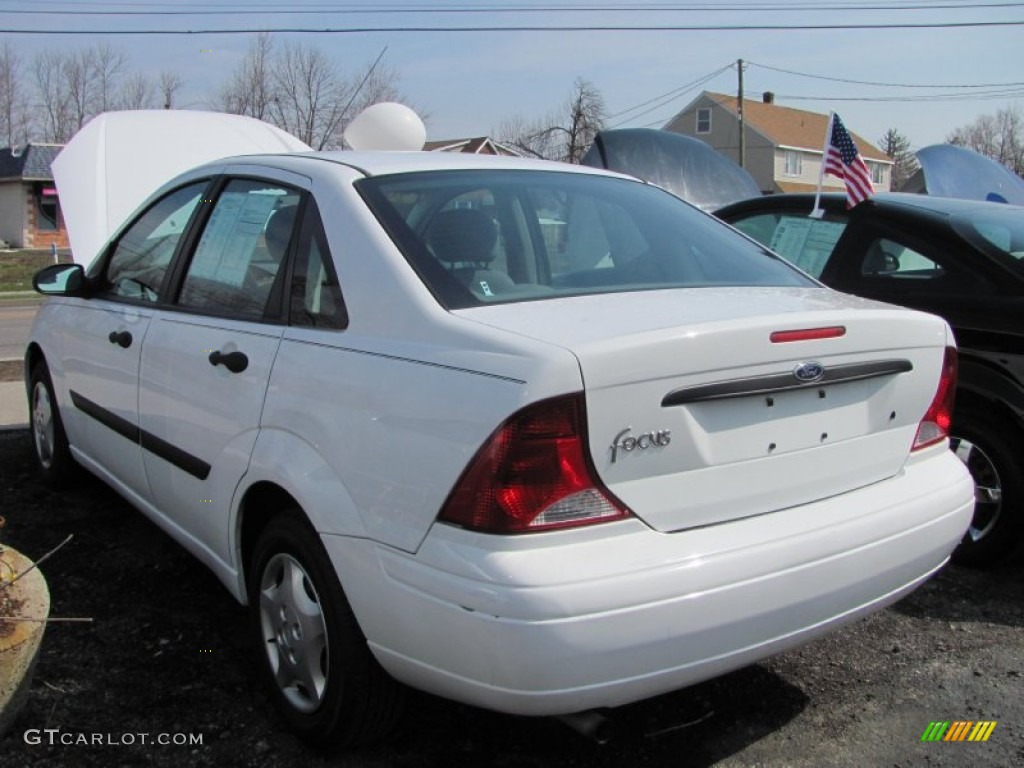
point(843, 160)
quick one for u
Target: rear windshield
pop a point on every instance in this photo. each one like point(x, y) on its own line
point(998, 231)
point(481, 237)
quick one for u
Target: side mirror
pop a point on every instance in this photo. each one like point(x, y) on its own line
point(60, 280)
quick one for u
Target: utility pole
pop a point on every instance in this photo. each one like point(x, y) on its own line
point(739, 103)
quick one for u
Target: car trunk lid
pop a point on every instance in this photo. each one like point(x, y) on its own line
point(697, 416)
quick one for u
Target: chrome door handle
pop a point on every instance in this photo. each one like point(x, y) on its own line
point(236, 362)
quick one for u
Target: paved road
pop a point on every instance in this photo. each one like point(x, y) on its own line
point(15, 323)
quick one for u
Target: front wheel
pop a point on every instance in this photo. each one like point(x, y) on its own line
point(990, 454)
point(53, 455)
point(312, 653)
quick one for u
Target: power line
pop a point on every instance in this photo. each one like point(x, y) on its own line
point(883, 85)
point(519, 28)
point(692, 86)
point(974, 96)
point(675, 91)
point(276, 10)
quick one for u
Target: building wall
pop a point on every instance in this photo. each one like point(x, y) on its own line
point(764, 161)
point(12, 213)
point(40, 238)
point(725, 137)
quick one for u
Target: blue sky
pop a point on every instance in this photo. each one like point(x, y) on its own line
point(469, 82)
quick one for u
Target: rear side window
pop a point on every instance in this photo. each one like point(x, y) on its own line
point(998, 231)
point(315, 298)
point(805, 242)
point(140, 259)
point(479, 237)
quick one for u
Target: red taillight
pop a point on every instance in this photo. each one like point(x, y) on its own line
point(939, 416)
point(533, 474)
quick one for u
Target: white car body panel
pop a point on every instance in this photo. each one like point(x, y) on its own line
point(597, 618)
point(205, 411)
point(734, 550)
point(739, 456)
point(102, 373)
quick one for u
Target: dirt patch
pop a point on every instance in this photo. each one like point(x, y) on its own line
point(167, 654)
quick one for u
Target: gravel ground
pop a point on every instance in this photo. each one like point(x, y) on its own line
point(166, 654)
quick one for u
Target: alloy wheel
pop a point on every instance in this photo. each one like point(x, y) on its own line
point(988, 488)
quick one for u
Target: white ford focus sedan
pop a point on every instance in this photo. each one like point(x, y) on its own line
point(534, 437)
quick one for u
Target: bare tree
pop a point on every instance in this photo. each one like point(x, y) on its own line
point(897, 147)
point(564, 134)
point(108, 65)
point(999, 136)
point(78, 69)
point(250, 89)
point(14, 109)
point(55, 119)
point(136, 93)
point(300, 89)
point(168, 85)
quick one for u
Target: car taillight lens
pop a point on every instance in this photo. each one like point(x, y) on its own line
point(533, 474)
point(937, 420)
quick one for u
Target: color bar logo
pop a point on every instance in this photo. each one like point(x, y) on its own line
point(959, 730)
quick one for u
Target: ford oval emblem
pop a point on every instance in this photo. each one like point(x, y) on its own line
point(807, 373)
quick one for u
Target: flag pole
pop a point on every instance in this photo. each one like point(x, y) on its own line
point(818, 211)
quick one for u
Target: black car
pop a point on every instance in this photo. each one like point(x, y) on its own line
point(961, 259)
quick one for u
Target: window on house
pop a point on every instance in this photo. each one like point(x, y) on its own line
point(877, 173)
point(704, 120)
point(47, 216)
point(794, 163)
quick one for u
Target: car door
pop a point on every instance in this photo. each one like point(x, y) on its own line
point(102, 342)
point(913, 267)
point(207, 357)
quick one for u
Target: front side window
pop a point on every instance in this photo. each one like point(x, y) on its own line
point(142, 254)
point(704, 120)
point(805, 242)
point(478, 237)
point(241, 249)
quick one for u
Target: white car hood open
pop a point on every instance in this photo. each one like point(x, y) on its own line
point(119, 159)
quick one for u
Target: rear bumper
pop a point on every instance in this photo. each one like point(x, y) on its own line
point(562, 622)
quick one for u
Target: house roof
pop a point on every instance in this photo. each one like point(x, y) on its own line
point(477, 146)
point(790, 127)
point(28, 163)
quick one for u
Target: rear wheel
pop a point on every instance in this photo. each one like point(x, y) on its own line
point(312, 653)
point(53, 455)
point(987, 450)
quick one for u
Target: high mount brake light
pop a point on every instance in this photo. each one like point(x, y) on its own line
point(807, 334)
point(939, 416)
point(533, 474)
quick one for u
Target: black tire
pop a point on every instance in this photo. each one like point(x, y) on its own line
point(53, 456)
point(329, 689)
point(996, 464)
